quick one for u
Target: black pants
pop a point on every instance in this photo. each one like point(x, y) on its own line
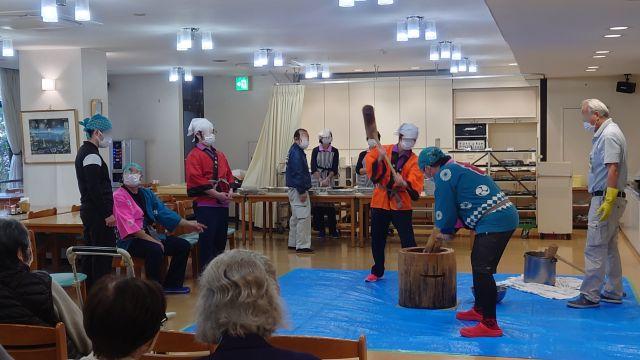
point(96, 233)
point(213, 240)
point(380, 219)
point(485, 256)
point(319, 212)
point(152, 254)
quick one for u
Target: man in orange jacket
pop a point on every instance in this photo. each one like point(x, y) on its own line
point(393, 193)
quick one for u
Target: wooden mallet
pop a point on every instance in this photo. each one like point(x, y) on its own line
point(433, 244)
point(370, 127)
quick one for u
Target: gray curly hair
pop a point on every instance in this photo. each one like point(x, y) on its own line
point(238, 295)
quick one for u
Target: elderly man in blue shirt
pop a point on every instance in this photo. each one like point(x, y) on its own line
point(607, 180)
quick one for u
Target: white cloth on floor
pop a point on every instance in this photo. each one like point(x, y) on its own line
point(566, 287)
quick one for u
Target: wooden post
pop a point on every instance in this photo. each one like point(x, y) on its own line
point(427, 280)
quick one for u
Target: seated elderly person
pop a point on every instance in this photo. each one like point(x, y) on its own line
point(239, 307)
point(136, 209)
point(31, 297)
point(123, 317)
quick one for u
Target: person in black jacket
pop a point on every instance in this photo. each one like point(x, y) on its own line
point(96, 197)
point(239, 308)
point(325, 159)
point(299, 182)
point(31, 297)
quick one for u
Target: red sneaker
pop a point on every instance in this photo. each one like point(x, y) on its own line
point(372, 278)
point(469, 315)
point(480, 330)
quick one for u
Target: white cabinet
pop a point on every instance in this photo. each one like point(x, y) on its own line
point(439, 102)
point(555, 198)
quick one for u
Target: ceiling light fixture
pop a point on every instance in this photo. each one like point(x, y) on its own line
point(188, 76)
point(599, 56)
point(206, 40)
point(612, 35)
point(82, 10)
point(385, 2)
point(462, 65)
point(603, 51)
point(456, 52)
point(49, 10)
point(619, 28)
point(473, 66)
point(415, 68)
point(278, 59)
point(326, 72)
point(48, 84)
point(358, 70)
point(413, 27)
point(184, 40)
point(430, 32)
point(434, 52)
point(7, 47)
point(513, 64)
point(311, 71)
point(401, 31)
point(173, 74)
point(346, 3)
point(593, 67)
point(591, 70)
point(454, 67)
point(445, 50)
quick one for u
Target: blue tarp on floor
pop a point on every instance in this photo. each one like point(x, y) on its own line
point(338, 303)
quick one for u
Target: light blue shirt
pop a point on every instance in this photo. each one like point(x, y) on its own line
point(609, 147)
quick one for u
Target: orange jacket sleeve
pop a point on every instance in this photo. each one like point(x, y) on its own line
point(414, 178)
point(378, 171)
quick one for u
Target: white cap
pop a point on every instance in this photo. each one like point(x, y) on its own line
point(324, 133)
point(199, 124)
point(408, 130)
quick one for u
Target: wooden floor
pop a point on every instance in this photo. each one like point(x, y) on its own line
point(337, 254)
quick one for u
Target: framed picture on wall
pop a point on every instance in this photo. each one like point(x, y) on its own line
point(49, 136)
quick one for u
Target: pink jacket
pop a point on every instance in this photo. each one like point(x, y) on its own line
point(129, 216)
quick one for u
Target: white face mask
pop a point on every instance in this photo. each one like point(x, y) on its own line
point(209, 140)
point(587, 126)
point(326, 140)
point(372, 143)
point(105, 142)
point(132, 179)
point(304, 143)
point(407, 144)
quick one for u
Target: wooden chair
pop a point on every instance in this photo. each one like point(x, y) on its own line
point(75, 208)
point(182, 345)
point(24, 342)
point(324, 348)
point(166, 198)
point(51, 242)
point(65, 280)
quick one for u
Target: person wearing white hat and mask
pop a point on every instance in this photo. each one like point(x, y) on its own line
point(208, 180)
point(394, 191)
point(324, 168)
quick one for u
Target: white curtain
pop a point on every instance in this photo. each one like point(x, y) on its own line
point(282, 120)
point(10, 87)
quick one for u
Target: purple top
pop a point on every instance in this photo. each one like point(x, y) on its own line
point(402, 156)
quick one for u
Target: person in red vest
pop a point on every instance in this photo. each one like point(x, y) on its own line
point(208, 180)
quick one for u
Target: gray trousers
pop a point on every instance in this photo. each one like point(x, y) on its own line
point(601, 256)
point(300, 222)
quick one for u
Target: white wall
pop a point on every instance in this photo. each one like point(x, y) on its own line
point(80, 75)
point(564, 97)
point(148, 107)
point(238, 115)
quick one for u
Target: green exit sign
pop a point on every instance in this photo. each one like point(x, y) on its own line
point(242, 83)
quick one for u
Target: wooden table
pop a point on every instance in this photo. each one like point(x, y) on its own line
point(67, 223)
point(268, 199)
point(364, 202)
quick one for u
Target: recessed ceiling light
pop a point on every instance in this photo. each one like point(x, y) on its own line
point(415, 68)
point(590, 70)
point(599, 56)
point(139, 14)
point(219, 60)
point(513, 64)
point(6, 27)
point(603, 52)
point(593, 67)
point(612, 35)
point(357, 70)
point(619, 28)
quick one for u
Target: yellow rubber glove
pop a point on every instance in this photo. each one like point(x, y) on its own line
point(607, 205)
